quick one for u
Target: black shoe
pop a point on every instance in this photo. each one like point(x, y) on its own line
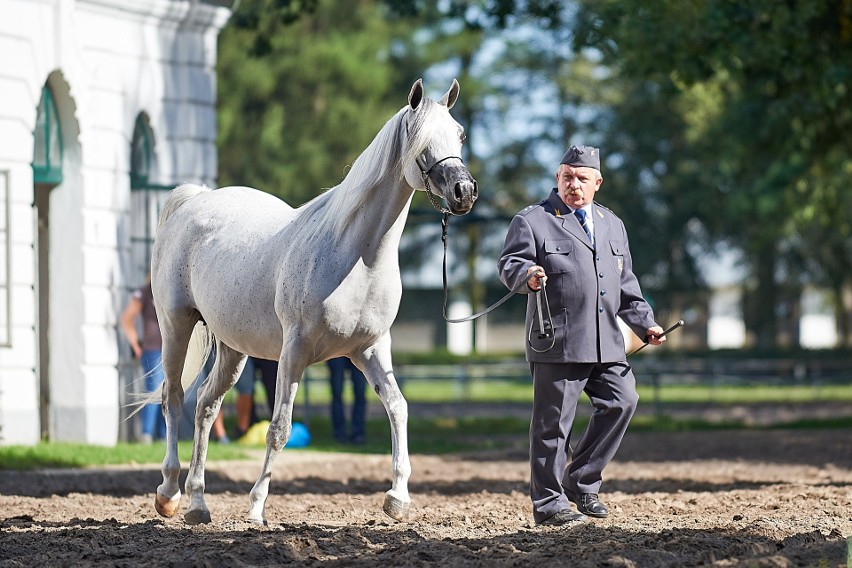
point(589, 504)
point(563, 517)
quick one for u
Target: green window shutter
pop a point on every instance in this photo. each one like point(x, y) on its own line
point(47, 154)
point(140, 154)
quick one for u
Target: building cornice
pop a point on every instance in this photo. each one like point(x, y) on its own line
point(195, 14)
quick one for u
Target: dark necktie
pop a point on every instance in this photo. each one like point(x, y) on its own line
point(581, 216)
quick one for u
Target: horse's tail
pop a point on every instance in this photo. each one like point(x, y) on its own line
point(198, 349)
point(180, 195)
point(201, 340)
point(197, 352)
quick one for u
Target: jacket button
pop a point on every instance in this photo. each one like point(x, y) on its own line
point(558, 249)
point(600, 310)
point(600, 274)
point(598, 258)
point(603, 292)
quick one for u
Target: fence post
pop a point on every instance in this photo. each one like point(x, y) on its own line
point(461, 383)
point(307, 398)
point(658, 404)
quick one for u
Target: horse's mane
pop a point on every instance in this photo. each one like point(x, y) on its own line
point(382, 158)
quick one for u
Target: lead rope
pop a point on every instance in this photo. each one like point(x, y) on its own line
point(444, 223)
point(545, 326)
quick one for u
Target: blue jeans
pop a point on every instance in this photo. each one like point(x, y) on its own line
point(153, 422)
point(338, 368)
point(268, 375)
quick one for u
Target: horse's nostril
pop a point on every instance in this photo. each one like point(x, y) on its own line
point(465, 191)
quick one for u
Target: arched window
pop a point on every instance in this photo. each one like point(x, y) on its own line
point(47, 154)
point(141, 154)
point(146, 197)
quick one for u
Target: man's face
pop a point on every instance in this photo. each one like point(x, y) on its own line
point(577, 186)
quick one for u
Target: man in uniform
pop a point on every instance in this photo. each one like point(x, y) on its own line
point(578, 250)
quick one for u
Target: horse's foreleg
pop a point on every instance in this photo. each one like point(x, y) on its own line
point(226, 370)
point(279, 432)
point(376, 365)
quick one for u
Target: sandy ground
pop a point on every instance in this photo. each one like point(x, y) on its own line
point(728, 498)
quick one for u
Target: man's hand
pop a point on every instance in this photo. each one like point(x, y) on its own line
point(540, 277)
point(653, 335)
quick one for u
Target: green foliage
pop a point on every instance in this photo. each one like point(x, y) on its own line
point(267, 18)
point(484, 14)
point(722, 122)
point(761, 91)
point(295, 114)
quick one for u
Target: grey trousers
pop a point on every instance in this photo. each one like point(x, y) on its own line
point(611, 388)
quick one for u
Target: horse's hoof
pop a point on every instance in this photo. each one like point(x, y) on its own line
point(166, 507)
point(197, 517)
point(256, 521)
point(396, 508)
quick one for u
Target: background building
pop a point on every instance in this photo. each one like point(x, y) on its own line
point(105, 103)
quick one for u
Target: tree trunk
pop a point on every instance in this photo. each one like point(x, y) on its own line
point(841, 315)
point(764, 323)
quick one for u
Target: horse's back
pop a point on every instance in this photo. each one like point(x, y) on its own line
point(241, 203)
point(241, 216)
point(215, 255)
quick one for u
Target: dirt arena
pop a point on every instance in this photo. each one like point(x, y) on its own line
point(726, 498)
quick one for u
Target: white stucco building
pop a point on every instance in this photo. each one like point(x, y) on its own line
point(104, 104)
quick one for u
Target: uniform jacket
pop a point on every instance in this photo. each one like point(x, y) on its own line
point(587, 287)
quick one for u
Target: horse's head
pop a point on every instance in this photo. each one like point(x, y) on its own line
point(435, 140)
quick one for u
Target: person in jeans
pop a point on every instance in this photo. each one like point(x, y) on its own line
point(148, 349)
point(338, 368)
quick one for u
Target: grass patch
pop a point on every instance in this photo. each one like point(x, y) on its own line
point(665, 423)
point(443, 435)
point(815, 424)
point(451, 434)
point(440, 435)
point(61, 455)
point(745, 394)
point(517, 391)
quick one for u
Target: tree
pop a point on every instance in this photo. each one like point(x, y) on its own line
point(763, 89)
point(499, 51)
point(298, 104)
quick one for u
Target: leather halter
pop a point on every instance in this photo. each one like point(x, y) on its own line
point(424, 175)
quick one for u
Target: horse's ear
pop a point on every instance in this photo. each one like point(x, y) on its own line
point(451, 96)
point(415, 96)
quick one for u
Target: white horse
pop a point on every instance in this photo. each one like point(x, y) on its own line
point(297, 285)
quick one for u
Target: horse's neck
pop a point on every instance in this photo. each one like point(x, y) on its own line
point(374, 230)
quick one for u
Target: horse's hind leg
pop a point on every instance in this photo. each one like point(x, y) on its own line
point(226, 370)
point(176, 333)
point(375, 362)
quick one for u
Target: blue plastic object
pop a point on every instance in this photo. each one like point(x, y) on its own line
point(299, 436)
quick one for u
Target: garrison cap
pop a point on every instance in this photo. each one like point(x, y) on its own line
point(583, 156)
